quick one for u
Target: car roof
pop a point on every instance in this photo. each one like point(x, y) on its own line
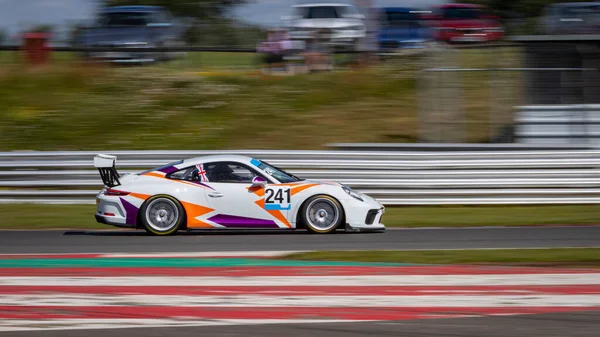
point(318, 4)
point(121, 9)
point(216, 157)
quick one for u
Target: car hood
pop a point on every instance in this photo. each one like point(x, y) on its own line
point(116, 35)
point(326, 23)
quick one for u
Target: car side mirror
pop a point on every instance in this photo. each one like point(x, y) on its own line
point(258, 182)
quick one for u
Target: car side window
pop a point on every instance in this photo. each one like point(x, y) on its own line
point(228, 172)
point(184, 174)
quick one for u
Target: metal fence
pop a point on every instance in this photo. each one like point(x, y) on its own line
point(558, 124)
point(393, 177)
point(471, 94)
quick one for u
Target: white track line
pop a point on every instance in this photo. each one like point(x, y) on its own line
point(364, 280)
point(89, 324)
point(458, 301)
point(205, 254)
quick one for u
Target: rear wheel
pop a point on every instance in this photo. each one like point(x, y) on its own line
point(322, 214)
point(162, 215)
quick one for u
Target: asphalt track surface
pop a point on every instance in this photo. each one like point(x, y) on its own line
point(128, 241)
point(581, 324)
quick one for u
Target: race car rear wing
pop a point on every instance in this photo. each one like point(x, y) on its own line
point(106, 166)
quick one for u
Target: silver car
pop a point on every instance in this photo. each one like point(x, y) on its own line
point(124, 27)
point(343, 22)
point(571, 18)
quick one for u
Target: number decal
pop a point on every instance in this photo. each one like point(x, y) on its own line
point(269, 196)
point(278, 198)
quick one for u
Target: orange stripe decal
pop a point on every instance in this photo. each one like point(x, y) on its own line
point(155, 174)
point(301, 188)
point(193, 211)
point(259, 191)
point(277, 214)
point(139, 195)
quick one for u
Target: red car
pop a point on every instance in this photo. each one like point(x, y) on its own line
point(465, 23)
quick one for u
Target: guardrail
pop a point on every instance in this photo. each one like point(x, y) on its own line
point(558, 124)
point(393, 177)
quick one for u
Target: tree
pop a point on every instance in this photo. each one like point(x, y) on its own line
point(527, 8)
point(42, 28)
point(203, 18)
point(3, 37)
point(198, 9)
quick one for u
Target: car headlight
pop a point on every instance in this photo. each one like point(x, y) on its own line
point(352, 193)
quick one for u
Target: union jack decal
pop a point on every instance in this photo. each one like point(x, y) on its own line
point(202, 173)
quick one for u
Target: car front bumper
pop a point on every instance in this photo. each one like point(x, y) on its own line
point(470, 36)
point(336, 35)
point(394, 44)
point(364, 215)
point(123, 56)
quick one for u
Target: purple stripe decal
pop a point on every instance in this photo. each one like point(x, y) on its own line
point(130, 212)
point(169, 169)
point(240, 221)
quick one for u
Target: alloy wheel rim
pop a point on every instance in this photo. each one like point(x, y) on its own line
point(322, 214)
point(162, 214)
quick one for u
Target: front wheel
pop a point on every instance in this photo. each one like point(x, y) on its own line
point(162, 215)
point(322, 214)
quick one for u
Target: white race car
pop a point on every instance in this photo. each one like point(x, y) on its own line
point(228, 192)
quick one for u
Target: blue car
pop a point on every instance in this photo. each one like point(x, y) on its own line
point(402, 27)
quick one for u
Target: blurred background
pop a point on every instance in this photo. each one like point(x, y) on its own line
point(211, 74)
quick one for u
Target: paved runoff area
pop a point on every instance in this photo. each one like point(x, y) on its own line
point(46, 293)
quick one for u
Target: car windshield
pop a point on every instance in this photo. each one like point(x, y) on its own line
point(396, 19)
point(325, 12)
point(457, 13)
point(125, 19)
point(277, 173)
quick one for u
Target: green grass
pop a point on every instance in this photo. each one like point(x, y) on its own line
point(31, 216)
point(562, 256)
point(212, 101)
point(78, 107)
point(461, 216)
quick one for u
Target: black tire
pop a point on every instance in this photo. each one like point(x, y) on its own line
point(322, 214)
point(162, 215)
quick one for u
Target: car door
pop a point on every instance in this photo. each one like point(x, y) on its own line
point(236, 203)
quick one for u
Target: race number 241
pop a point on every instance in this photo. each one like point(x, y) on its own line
point(277, 198)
